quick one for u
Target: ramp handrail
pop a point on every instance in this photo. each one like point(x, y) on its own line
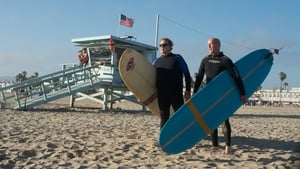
point(41, 89)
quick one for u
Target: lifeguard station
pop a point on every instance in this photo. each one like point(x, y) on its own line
point(99, 80)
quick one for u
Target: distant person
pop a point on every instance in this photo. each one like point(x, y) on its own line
point(170, 69)
point(210, 66)
point(83, 57)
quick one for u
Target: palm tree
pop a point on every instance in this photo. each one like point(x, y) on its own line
point(282, 76)
point(23, 76)
point(285, 84)
point(36, 74)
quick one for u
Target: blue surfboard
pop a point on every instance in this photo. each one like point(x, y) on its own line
point(214, 103)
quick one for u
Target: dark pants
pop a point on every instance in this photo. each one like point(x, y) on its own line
point(227, 135)
point(165, 101)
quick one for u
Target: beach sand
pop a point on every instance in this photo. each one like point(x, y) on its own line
point(57, 136)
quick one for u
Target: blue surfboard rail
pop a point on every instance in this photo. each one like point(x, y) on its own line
point(214, 103)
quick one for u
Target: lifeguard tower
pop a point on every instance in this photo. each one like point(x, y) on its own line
point(104, 54)
point(99, 80)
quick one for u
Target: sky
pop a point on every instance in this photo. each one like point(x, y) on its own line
point(36, 35)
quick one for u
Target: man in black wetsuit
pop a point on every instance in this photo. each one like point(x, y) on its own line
point(211, 66)
point(170, 69)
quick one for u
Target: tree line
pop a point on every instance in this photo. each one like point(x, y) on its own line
point(23, 76)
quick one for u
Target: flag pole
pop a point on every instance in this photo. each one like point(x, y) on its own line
point(156, 31)
point(119, 25)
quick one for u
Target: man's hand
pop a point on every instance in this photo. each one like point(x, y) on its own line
point(187, 95)
point(244, 99)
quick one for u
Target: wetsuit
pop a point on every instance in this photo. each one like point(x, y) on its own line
point(211, 66)
point(169, 82)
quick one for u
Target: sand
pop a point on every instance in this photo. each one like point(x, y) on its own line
point(56, 136)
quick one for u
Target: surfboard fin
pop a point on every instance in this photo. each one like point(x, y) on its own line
point(275, 50)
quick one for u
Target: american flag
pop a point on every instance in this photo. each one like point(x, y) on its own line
point(125, 21)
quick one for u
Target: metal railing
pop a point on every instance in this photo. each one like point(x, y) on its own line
point(40, 90)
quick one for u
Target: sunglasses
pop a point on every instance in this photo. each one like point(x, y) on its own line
point(163, 45)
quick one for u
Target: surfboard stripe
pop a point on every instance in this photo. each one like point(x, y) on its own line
point(150, 99)
point(198, 117)
point(220, 99)
point(257, 66)
point(178, 134)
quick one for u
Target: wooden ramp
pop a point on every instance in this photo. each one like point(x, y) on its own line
point(77, 80)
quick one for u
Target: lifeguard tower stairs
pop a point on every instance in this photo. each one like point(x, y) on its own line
point(99, 80)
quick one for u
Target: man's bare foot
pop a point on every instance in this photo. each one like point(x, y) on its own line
point(213, 149)
point(227, 150)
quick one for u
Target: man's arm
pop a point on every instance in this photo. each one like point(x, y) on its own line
point(238, 80)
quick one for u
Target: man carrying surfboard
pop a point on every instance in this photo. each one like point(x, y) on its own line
point(211, 66)
point(170, 69)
